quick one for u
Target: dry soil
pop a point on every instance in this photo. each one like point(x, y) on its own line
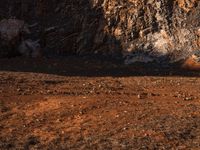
point(73, 103)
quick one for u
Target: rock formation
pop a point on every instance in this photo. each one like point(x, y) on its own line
point(162, 30)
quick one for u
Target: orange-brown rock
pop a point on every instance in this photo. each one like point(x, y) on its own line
point(191, 64)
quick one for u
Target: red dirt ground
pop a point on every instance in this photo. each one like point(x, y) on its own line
point(78, 104)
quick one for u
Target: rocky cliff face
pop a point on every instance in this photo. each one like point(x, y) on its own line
point(161, 29)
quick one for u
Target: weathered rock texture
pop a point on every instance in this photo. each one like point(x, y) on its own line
point(159, 28)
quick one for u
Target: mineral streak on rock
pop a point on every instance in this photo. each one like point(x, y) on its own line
point(159, 28)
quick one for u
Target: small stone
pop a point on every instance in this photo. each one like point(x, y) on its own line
point(49, 92)
point(125, 128)
point(58, 120)
point(188, 98)
point(142, 95)
point(19, 90)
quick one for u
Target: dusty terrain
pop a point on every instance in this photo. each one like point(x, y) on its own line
point(78, 104)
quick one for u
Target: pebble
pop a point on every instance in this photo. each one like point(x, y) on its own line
point(142, 95)
point(188, 98)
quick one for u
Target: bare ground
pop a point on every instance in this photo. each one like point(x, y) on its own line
point(74, 103)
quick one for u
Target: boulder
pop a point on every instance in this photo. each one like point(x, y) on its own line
point(192, 62)
point(30, 48)
point(11, 34)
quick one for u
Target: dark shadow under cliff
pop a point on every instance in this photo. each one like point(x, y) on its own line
point(90, 67)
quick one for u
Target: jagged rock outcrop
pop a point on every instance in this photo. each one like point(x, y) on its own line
point(157, 27)
point(162, 30)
